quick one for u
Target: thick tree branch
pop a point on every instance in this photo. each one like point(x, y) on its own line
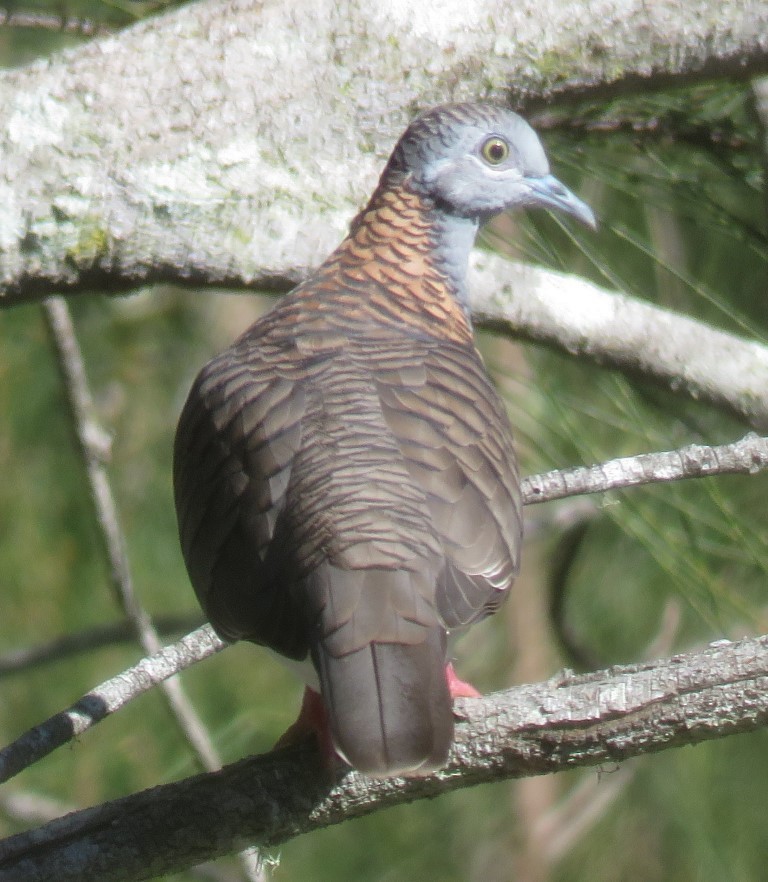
point(563, 723)
point(621, 332)
point(265, 125)
point(114, 156)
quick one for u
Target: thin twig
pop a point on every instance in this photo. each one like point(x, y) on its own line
point(93, 447)
point(105, 699)
point(745, 457)
point(91, 441)
point(563, 557)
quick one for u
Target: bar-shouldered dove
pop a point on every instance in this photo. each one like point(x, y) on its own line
point(345, 479)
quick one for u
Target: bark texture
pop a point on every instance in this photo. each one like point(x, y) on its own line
point(231, 141)
point(568, 721)
point(614, 330)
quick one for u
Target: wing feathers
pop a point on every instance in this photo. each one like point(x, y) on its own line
point(353, 499)
point(462, 458)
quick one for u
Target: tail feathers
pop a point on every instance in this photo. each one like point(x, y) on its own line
point(389, 706)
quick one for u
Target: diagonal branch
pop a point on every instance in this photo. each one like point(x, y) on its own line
point(565, 722)
point(107, 698)
point(618, 331)
point(93, 446)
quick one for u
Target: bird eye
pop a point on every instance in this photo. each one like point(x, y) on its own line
point(495, 150)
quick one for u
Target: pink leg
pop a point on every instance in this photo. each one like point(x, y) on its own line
point(459, 688)
point(312, 722)
point(313, 719)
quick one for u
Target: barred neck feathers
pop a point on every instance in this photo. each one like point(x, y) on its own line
point(405, 259)
point(410, 259)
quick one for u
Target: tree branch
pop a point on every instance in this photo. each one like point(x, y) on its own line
point(562, 723)
point(747, 456)
point(93, 448)
point(107, 698)
point(618, 331)
point(93, 445)
point(116, 155)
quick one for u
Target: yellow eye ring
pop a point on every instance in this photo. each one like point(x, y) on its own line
point(495, 150)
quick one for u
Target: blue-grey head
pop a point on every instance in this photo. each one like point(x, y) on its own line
point(477, 160)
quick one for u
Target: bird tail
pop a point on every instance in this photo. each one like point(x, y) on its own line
point(388, 705)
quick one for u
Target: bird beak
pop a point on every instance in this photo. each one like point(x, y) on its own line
point(548, 192)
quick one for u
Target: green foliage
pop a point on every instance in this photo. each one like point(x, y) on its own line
point(676, 180)
point(681, 224)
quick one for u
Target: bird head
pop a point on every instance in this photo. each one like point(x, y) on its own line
point(477, 160)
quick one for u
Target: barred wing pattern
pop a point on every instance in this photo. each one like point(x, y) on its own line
point(457, 446)
point(346, 486)
point(351, 499)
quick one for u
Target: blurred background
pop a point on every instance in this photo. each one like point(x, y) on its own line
point(677, 181)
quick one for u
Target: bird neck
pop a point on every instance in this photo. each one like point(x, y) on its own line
point(417, 254)
point(455, 237)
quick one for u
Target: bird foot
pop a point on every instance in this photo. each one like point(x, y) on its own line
point(312, 722)
point(459, 688)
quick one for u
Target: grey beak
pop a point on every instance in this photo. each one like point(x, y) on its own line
point(548, 192)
